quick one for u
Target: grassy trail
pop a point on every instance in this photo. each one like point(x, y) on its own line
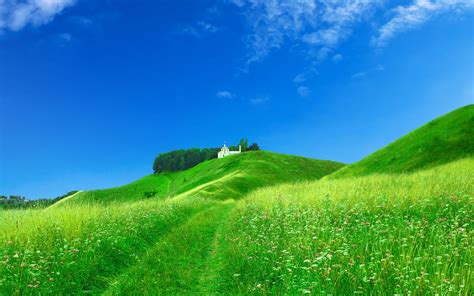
point(180, 262)
point(65, 199)
point(202, 188)
point(210, 276)
point(83, 248)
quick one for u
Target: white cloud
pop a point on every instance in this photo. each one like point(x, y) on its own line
point(66, 37)
point(299, 78)
point(317, 24)
point(259, 100)
point(303, 91)
point(60, 40)
point(16, 14)
point(359, 75)
point(323, 54)
point(81, 21)
point(225, 94)
point(415, 14)
point(363, 74)
point(189, 30)
point(207, 27)
point(328, 37)
point(337, 58)
point(199, 29)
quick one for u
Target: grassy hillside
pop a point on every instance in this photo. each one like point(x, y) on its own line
point(405, 233)
point(230, 177)
point(441, 141)
point(381, 235)
point(400, 234)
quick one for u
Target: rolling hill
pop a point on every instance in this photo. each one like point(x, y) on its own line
point(443, 140)
point(402, 224)
point(228, 178)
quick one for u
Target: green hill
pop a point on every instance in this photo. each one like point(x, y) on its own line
point(371, 235)
point(443, 140)
point(406, 233)
point(230, 177)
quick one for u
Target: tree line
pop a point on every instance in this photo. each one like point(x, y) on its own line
point(21, 202)
point(184, 159)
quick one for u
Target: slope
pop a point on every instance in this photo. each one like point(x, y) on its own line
point(371, 235)
point(230, 177)
point(445, 139)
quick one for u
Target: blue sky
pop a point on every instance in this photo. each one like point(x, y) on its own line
point(92, 90)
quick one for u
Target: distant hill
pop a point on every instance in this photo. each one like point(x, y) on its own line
point(445, 139)
point(226, 178)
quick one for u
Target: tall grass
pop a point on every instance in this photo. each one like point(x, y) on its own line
point(381, 234)
point(179, 263)
point(404, 234)
point(77, 249)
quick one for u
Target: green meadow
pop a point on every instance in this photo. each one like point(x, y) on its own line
point(397, 222)
point(369, 235)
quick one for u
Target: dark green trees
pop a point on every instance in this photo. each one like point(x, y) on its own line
point(179, 160)
point(183, 159)
point(21, 202)
point(253, 147)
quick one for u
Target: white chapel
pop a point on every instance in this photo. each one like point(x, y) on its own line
point(226, 152)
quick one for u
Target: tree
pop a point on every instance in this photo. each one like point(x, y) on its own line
point(179, 160)
point(254, 147)
point(244, 143)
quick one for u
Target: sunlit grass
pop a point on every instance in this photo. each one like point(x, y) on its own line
point(179, 263)
point(441, 141)
point(79, 248)
point(380, 234)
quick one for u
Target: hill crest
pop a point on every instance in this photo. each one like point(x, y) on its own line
point(226, 178)
point(440, 141)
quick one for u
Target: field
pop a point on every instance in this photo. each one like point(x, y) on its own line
point(368, 235)
point(81, 248)
point(263, 223)
point(87, 241)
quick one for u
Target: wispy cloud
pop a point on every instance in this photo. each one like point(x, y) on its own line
point(207, 27)
point(303, 91)
point(66, 37)
point(61, 40)
point(259, 100)
point(359, 75)
point(225, 94)
point(199, 29)
point(363, 74)
point(320, 25)
point(337, 58)
point(299, 78)
point(16, 14)
point(81, 21)
point(415, 14)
